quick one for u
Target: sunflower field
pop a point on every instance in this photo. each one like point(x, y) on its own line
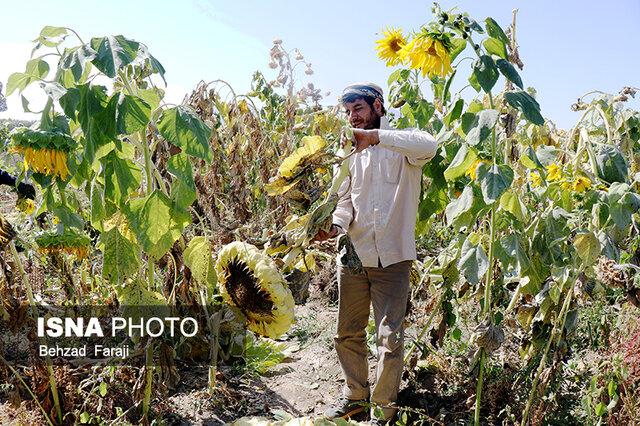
point(524, 298)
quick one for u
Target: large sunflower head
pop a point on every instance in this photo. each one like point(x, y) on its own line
point(70, 242)
point(389, 46)
point(249, 280)
point(430, 53)
point(44, 152)
point(6, 232)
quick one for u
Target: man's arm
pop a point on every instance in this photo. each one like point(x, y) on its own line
point(416, 145)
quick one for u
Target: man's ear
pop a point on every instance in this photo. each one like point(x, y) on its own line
point(377, 107)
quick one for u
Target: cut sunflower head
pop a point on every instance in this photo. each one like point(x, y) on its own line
point(389, 46)
point(430, 53)
point(6, 232)
point(309, 156)
point(44, 151)
point(70, 242)
point(249, 280)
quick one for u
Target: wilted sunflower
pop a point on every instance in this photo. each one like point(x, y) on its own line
point(70, 242)
point(309, 155)
point(535, 178)
point(250, 280)
point(44, 151)
point(390, 45)
point(430, 53)
point(6, 232)
point(581, 184)
point(554, 172)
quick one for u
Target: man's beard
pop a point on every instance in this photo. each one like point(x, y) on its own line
point(374, 123)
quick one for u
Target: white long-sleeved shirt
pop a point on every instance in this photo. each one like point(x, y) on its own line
point(378, 202)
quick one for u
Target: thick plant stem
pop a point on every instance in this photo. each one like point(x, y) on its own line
point(557, 328)
point(486, 307)
point(476, 414)
point(34, 311)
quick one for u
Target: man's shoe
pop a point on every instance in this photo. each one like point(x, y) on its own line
point(345, 408)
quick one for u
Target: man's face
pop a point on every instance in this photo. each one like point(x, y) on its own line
point(361, 115)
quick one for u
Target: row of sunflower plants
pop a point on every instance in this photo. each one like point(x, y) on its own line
point(534, 209)
point(93, 147)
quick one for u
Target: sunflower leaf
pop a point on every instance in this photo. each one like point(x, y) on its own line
point(464, 158)
point(486, 73)
point(120, 256)
point(157, 222)
point(494, 180)
point(495, 47)
point(184, 129)
point(527, 104)
point(113, 53)
point(198, 259)
point(509, 71)
point(494, 30)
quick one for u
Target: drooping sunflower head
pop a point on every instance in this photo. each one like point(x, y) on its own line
point(70, 242)
point(44, 152)
point(7, 232)
point(430, 53)
point(249, 280)
point(389, 46)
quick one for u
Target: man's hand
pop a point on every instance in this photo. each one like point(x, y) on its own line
point(324, 235)
point(365, 138)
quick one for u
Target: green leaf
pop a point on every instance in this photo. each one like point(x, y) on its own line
point(120, 259)
point(473, 262)
point(434, 202)
point(51, 36)
point(588, 247)
point(526, 104)
point(611, 164)
point(464, 158)
point(486, 73)
point(183, 128)
point(509, 201)
point(96, 201)
point(457, 47)
point(76, 60)
point(487, 119)
point(113, 53)
point(494, 30)
point(494, 46)
point(199, 260)
point(103, 389)
point(36, 69)
point(457, 207)
point(132, 114)
point(121, 178)
point(509, 71)
point(529, 159)
point(183, 188)
point(473, 81)
point(157, 222)
point(54, 90)
point(85, 417)
point(455, 112)
point(494, 180)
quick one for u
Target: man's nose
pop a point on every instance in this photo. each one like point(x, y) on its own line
point(353, 118)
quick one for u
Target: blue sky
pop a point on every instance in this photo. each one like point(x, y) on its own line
point(568, 47)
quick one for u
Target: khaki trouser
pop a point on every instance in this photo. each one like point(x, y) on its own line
point(387, 290)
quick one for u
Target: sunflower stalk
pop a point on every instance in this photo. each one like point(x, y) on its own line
point(556, 332)
point(27, 285)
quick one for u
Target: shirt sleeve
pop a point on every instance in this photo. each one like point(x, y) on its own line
point(417, 146)
point(343, 214)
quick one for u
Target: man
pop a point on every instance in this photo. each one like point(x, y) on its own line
point(377, 209)
point(23, 189)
